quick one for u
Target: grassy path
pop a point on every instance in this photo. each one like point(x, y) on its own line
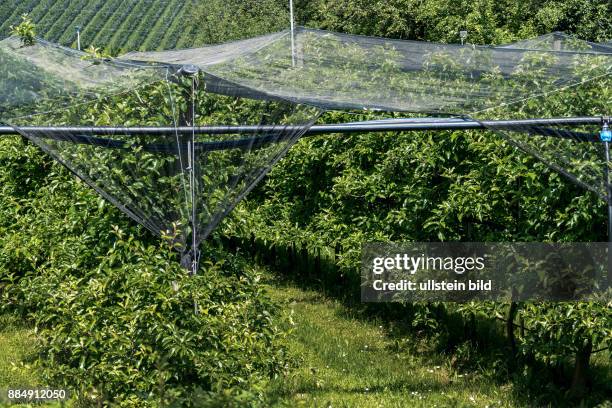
point(348, 362)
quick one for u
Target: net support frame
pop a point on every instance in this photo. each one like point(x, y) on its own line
point(394, 125)
point(292, 25)
point(538, 125)
point(606, 135)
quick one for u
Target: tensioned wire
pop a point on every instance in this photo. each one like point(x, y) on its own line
point(101, 184)
point(178, 143)
point(585, 177)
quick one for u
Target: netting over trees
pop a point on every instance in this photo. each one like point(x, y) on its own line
point(174, 182)
point(559, 41)
point(256, 97)
point(333, 70)
point(554, 75)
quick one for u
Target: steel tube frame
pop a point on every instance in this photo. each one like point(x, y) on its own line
point(399, 125)
point(609, 196)
point(606, 123)
point(266, 134)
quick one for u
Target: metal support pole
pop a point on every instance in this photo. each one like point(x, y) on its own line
point(190, 260)
point(292, 33)
point(188, 118)
point(608, 189)
point(609, 193)
point(192, 181)
point(606, 138)
point(193, 172)
point(78, 30)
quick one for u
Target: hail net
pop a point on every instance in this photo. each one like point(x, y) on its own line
point(555, 75)
point(260, 95)
point(174, 180)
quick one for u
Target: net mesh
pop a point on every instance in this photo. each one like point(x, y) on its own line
point(228, 112)
point(176, 181)
point(334, 70)
point(572, 151)
point(555, 75)
point(559, 41)
point(43, 75)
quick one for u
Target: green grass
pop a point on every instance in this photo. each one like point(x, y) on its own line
point(341, 359)
point(17, 351)
point(17, 357)
point(346, 361)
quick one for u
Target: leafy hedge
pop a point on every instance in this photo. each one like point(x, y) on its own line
point(127, 330)
point(113, 309)
point(331, 194)
point(124, 26)
point(487, 21)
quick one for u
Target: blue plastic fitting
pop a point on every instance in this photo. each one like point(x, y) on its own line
point(606, 134)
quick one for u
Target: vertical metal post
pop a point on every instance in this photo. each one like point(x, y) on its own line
point(606, 138)
point(292, 33)
point(193, 167)
point(188, 118)
point(78, 30)
point(192, 176)
point(608, 189)
point(190, 260)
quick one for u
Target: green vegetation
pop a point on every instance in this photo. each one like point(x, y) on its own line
point(18, 352)
point(118, 320)
point(114, 312)
point(346, 357)
point(127, 25)
point(340, 356)
point(94, 53)
point(487, 21)
point(25, 31)
point(216, 21)
point(331, 194)
point(346, 360)
point(113, 24)
point(127, 331)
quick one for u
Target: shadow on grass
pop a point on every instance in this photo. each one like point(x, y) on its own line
point(396, 387)
point(475, 344)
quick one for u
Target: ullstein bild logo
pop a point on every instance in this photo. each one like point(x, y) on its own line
point(431, 285)
point(462, 272)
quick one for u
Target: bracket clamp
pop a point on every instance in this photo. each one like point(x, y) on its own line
point(188, 70)
point(606, 133)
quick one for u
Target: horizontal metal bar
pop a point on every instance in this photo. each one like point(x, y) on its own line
point(404, 125)
point(399, 125)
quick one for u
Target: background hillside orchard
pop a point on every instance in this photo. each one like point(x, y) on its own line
point(128, 25)
point(101, 291)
